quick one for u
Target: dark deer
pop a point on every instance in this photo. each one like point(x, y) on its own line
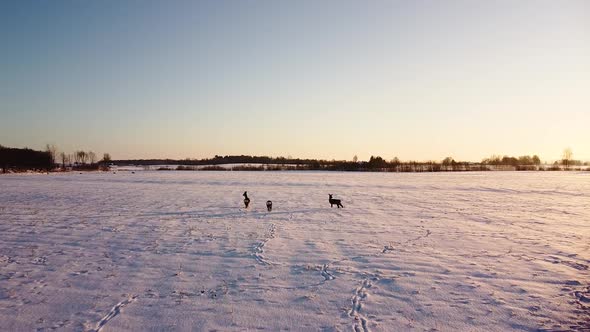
point(334, 201)
point(246, 199)
point(269, 205)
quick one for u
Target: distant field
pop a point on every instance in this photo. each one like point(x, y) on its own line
point(153, 251)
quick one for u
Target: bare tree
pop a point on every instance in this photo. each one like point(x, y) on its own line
point(355, 159)
point(395, 162)
point(52, 150)
point(91, 157)
point(81, 157)
point(525, 160)
point(63, 157)
point(449, 162)
point(106, 158)
point(493, 160)
point(567, 158)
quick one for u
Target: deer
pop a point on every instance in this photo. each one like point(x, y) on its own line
point(335, 201)
point(246, 199)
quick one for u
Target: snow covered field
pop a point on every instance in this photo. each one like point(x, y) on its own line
point(175, 251)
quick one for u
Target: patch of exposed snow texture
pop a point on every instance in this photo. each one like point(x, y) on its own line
point(494, 251)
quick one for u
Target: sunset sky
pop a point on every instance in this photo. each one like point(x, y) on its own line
point(319, 79)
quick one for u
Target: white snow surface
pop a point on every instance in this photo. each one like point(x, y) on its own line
point(176, 251)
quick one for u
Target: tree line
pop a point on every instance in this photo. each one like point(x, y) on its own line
point(24, 159)
point(512, 161)
point(50, 159)
point(15, 159)
point(374, 164)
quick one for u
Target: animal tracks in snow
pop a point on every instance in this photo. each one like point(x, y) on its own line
point(570, 263)
point(389, 247)
point(327, 275)
point(116, 310)
point(360, 295)
point(259, 247)
point(582, 299)
point(171, 238)
point(258, 253)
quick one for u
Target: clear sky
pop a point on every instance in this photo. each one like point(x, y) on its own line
point(321, 79)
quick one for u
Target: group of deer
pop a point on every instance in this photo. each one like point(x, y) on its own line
point(332, 201)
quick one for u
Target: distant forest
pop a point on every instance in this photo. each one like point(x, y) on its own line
point(24, 159)
point(374, 164)
point(18, 160)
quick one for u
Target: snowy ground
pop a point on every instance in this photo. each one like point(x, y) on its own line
point(155, 251)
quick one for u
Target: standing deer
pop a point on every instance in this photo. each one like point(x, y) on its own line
point(335, 201)
point(246, 199)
